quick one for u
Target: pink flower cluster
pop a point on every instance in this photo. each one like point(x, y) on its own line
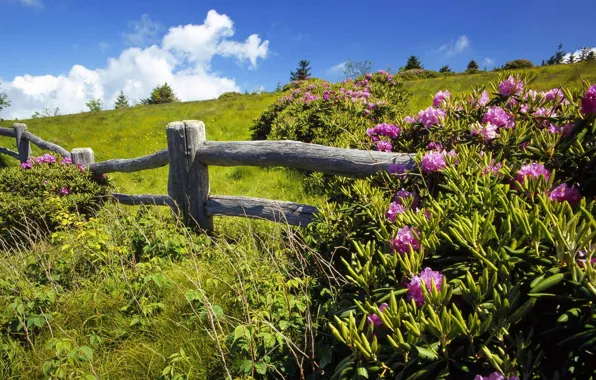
point(495, 376)
point(387, 130)
point(564, 130)
point(374, 319)
point(440, 98)
point(405, 239)
point(564, 192)
point(511, 86)
point(589, 101)
point(415, 286)
point(492, 168)
point(499, 117)
point(482, 100)
point(488, 131)
point(554, 95)
point(431, 116)
point(433, 162)
point(533, 170)
point(398, 206)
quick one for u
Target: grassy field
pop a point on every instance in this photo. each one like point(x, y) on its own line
point(137, 131)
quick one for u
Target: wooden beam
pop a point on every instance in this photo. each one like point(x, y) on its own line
point(9, 152)
point(9, 132)
point(23, 146)
point(150, 161)
point(82, 156)
point(143, 199)
point(298, 155)
point(277, 211)
point(41, 143)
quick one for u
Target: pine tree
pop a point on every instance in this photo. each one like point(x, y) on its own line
point(160, 95)
point(445, 69)
point(413, 63)
point(121, 101)
point(472, 66)
point(303, 71)
point(558, 57)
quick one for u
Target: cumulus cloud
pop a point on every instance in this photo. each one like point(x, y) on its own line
point(182, 59)
point(339, 68)
point(455, 46)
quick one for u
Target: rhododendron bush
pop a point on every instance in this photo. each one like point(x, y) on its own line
point(479, 262)
point(34, 194)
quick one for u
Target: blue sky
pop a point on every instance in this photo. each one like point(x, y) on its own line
point(60, 53)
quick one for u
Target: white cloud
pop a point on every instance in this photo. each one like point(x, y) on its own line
point(32, 3)
point(488, 62)
point(103, 45)
point(182, 59)
point(576, 55)
point(144, 32)
point(339, 68)
point(455, 46)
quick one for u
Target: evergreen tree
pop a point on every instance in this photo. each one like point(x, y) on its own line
point(558, 57)
point(413, 63)
point(160, 95)
point(445, 69)
point(472, 66)
point(3, 101)
point(121, 101)
point(302, 72)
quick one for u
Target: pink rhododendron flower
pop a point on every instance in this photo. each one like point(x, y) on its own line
point(589, 101)
point(431, 116)
point(374, 319)
point(384, 146)
point(440, 98)
point(404, 194)
point(581, 261)
point(483, 99)
point(499, 117)
point(397, 169)
point(555, 95)
point(388, 130)
point(511, 86)
point(26, 165)
point(495, 376)
point(409, 120)
point(533, 170)
point(405, 239)
point(434, 146)
point(564, 192)
point(395, 209)
point(488, 131)
point(492, 168)
point(433, 162)
point(531, 93)
point(429, 276)
point(66, 161)
point(64, 191)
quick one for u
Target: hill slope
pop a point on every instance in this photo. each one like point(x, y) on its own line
point(141, 130)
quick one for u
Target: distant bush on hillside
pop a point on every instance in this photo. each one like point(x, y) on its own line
point(518, 64)
point(229, 94)
point(420, 74)
point(161, 95)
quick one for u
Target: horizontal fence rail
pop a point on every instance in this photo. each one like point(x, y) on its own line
point(189, 156)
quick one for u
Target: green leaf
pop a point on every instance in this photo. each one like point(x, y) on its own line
point(362, 372)
point(547, 283)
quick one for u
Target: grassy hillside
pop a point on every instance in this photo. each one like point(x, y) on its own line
point(547, 77)
point(133, 132)
point(141, 130)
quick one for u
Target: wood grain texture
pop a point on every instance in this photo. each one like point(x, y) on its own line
point(188, 179)
point(41, 143)
point(9, 152)
point(150, 161)
point(143, 199)
point(23, 146)
point(82, 156)
point(298, 155)
point(277, 211)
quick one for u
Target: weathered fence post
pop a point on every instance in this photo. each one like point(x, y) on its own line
point(82, 156)
point(23, 146)
point(188, 180)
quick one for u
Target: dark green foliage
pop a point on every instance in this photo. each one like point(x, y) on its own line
point(413, 63)
point(355, 69)
point(558, 57)
point(472, 67)
point(121, 101)
point(302, 72)
point(94, 105)
point(518, 64)
point(33, 198)
point(445, 69)
point(415, 74)
point(161, 95)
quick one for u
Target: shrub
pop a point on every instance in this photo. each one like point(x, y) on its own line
point(230, 95)
point(39, 190)
point(482, 260)
point(518, 64)
point(161, 95)
point(418, 74)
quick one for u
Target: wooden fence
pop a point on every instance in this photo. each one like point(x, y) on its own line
point(189, 155)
